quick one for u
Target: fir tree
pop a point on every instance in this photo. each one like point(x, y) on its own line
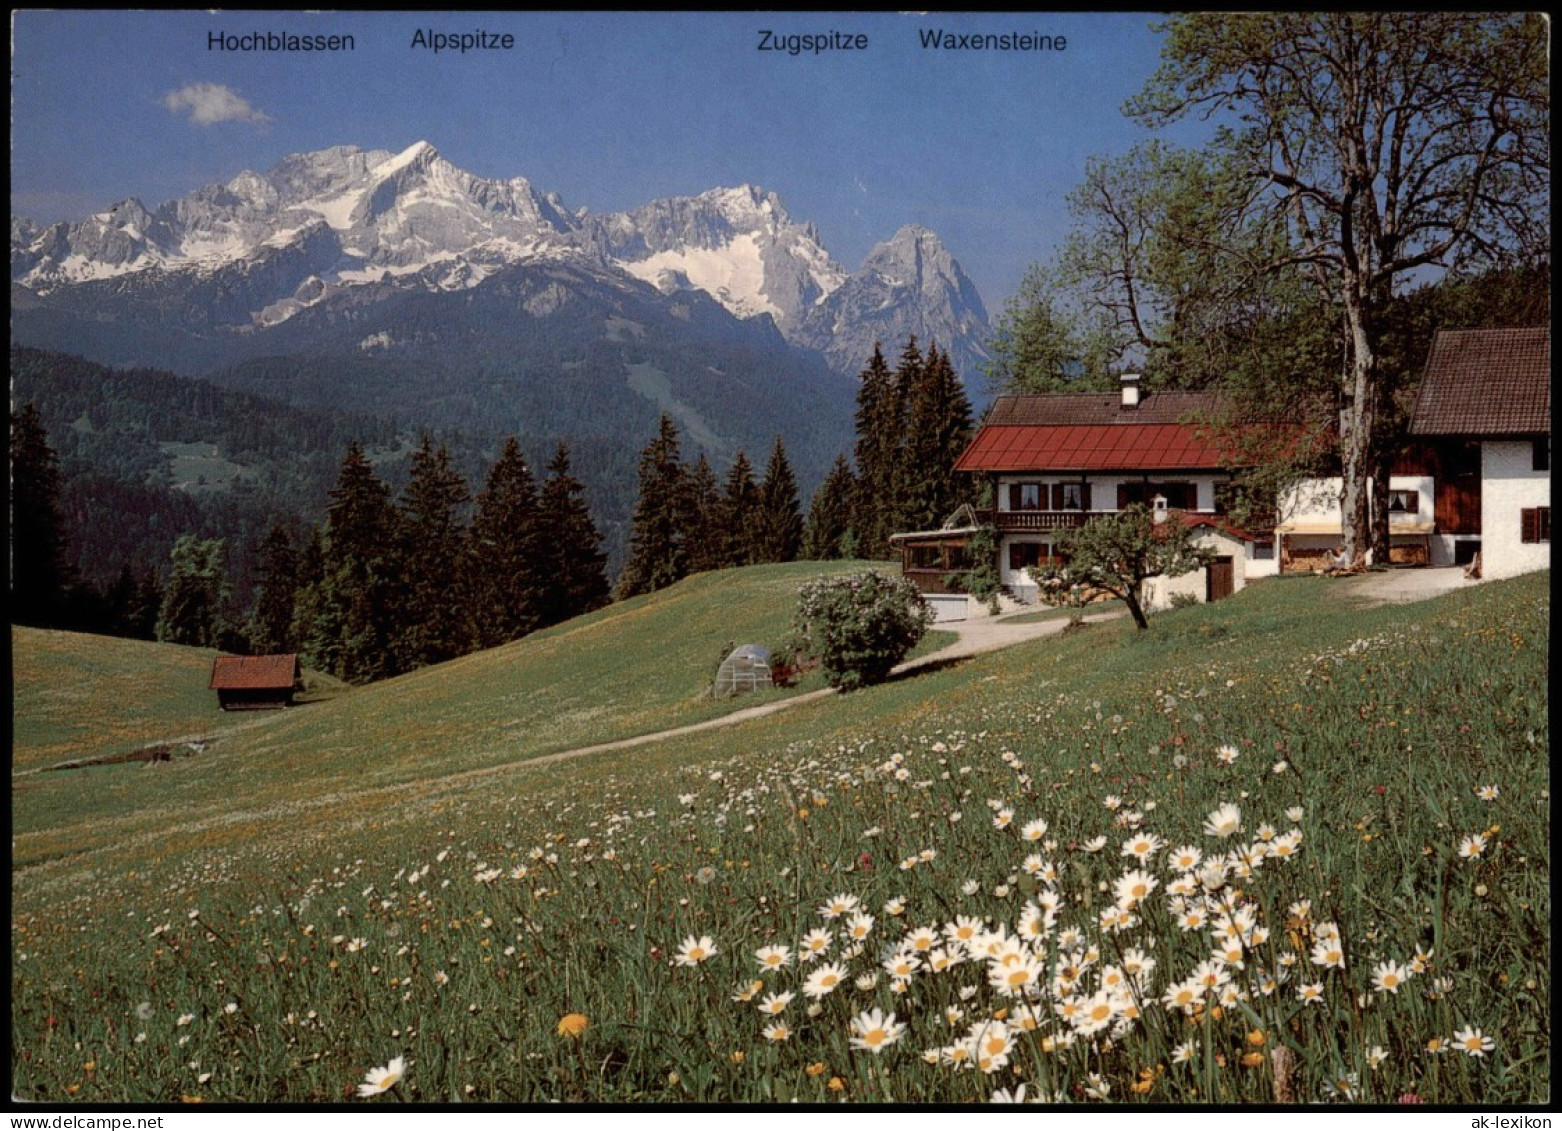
point(780, 527)
point(825, 536)
point(938, 427)
point(707, 543)
point(435, 623)
point(740, 508)
point(271, 619)
point(506, 552)
point(39, 574)
point(193, 602)
point(574, 568)
point(658, 555)
point(360, 599)
point(880, 424)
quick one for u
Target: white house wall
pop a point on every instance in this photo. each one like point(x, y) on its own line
point(1158, 591)
point(1315, 503)
point(1508, 485)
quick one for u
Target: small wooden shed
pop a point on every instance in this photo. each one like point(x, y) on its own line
point(256, 683)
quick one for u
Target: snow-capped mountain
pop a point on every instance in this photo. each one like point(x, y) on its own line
point(909, 284)
point(238, 258)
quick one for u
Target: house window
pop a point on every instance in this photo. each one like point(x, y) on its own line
point(1025, 496)
point(1022, 555)
point(1404, 502)
point(1069, 497)
point(1535, 524)
point(1263, 551)
point(926, 557)
point(1540, 454)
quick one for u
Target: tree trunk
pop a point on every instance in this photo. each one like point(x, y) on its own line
point(1357, 422)
point(1131, 599)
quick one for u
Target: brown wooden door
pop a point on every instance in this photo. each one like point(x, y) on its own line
point(1219, 581)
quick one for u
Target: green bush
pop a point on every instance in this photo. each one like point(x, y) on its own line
point(860, 626)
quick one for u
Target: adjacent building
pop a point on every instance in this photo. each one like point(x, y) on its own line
point(1484, 411)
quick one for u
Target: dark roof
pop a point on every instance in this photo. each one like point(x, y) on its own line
point(1099, 408)
point(253, 673)
point(1486, 383)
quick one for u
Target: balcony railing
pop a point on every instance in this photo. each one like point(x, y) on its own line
point(1039, 520)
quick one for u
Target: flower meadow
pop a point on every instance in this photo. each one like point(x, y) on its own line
point(1266, 852)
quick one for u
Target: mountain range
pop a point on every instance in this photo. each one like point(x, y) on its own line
point(204, 282)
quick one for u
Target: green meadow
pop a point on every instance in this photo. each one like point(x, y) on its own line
point(1281, 848)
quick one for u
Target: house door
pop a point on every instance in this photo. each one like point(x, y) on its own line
point(1219, 580)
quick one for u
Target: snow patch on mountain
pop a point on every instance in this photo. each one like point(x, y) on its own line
point(733, 274)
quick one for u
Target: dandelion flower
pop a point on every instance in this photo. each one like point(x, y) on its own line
point(695, 951)
point(873, 1032)
point(378, 1080)
point(1472, 1042)
point(573, 1024)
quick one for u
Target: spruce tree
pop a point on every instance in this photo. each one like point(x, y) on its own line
point(507, 585)
point(197, 591)
point(39, 574)
point(361, 593)
point(573, 566)
point(780, 528)
point(271, 619)
point(825, 536)
point(435, 622)
point(658, 554)
point(880, 422)
point(707, 545)
point(740, 506)
point(938, 427)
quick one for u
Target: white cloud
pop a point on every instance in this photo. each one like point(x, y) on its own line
point(209, 103)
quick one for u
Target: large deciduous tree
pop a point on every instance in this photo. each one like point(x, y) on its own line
point(1386, 143)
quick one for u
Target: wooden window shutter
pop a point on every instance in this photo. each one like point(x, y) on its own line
point(1529, 524)
point(1087, 496)
point(1014, 496)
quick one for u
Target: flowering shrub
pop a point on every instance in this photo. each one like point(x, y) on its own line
point(860, 626)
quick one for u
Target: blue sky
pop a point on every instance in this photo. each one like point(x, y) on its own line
point(608, 110)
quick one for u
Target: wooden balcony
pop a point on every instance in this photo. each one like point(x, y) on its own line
point(1007, 521)
point(933, 580)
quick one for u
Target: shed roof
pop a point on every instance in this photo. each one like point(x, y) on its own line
point(253, 673)
point(1486, 383)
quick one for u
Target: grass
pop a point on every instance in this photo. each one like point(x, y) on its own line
point(632, 668)
point(1046, 615)
point(277, 951)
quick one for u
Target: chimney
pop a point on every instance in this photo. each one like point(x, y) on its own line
point(1130, 384)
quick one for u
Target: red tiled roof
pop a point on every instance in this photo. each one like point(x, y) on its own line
point(1221, 523)
point(246, 673)
point(1089, 447)
point(1486, 383)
